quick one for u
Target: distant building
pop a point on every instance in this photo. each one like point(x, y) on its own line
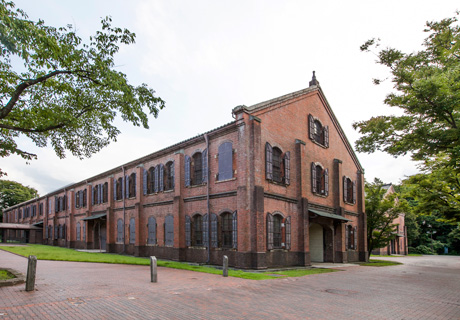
point(278, 186)
point(399, 244)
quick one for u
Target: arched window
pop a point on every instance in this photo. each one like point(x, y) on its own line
point(119, 230)
point(151, 180)
point(132, 231)
point(197, 230)
point(318, 133)
point(278, 232)
point(132, 185)
point(169, 176)
point(227, 229)
point(225, 161)
point(119, 188)
point(169, 230)
point(277, 165)
point(197, 169)
point(350, 237)
point(319, 179)
point(105, 192)
point(349, 190)
point(152, 231)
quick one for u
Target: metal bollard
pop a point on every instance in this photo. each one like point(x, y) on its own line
point(225, 267)
point(153, 269)
point(31, 270)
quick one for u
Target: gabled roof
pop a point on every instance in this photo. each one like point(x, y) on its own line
point(314, 86)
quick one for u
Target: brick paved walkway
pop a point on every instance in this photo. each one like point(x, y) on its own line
point(72, 290)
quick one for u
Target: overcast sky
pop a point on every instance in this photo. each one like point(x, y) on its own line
point(206, 57)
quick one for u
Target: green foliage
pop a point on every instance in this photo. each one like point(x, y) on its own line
point(427, 87)
point(5, 275)
point(453, 240)
point(67, 93)
point(379, 263)
point(381, 210)
point(12, 193)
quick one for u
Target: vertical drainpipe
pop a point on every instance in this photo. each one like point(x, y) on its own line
point(124, 210)
point(207, 198)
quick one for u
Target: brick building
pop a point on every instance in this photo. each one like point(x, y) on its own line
point(278, 186)
point(400, 243)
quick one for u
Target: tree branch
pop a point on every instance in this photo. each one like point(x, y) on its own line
point(29, 82)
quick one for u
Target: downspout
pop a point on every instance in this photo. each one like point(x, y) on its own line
point(124, 209)
point(207, 198)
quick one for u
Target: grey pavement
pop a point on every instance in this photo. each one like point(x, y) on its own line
point(425, 287)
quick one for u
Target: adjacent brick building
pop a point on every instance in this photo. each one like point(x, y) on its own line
point(400, 243)
point(278, 186)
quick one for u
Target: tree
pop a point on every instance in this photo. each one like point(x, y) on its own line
point(437, 188)
point(427, 91)
point(68, 93)
point(381, 210)
point(12, 193)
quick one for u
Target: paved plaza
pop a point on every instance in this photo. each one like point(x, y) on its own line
point(423, 288)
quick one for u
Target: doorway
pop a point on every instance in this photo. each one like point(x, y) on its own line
point(316, 243)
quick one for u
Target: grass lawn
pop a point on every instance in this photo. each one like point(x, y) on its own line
point(5, 275)
point(43, 252)
point(379, 263)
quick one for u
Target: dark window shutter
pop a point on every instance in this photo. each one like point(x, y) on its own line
point(144, 181)
point(134, 187)
point(288, 233)
point(225, 161)
point(172, 175)
point(355, 235)
point(188, 231)
point(354, 192)
point(235, 230)
point(132, 231)
point(46, 233)
point(157, 173)
point(214, 242)
point(162, 172)
point(326, 182)
point(268, 161)
point(101, 194)
point(169, 230)
point(269, 231)
point(313, 178)
point(56, 204)
point(84, 231)
point(115, 189)
point(77, 199)
point(347, 237)
point(187, 171)
point(85, 198)
point(120, 230)
point(345, 189)
point(126, 187)
point(205, 230)
point(326, 136)
point(204, 161)
point(287, 168)
point(311, 122)
point(152, 231)
point(93, 193)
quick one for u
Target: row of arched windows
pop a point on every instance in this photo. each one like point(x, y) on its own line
point(159, 178)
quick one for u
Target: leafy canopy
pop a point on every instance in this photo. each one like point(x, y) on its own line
point(66, 93)
point(436, 189)
point(12, 193)
point(382, 208)
point(427, 86)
